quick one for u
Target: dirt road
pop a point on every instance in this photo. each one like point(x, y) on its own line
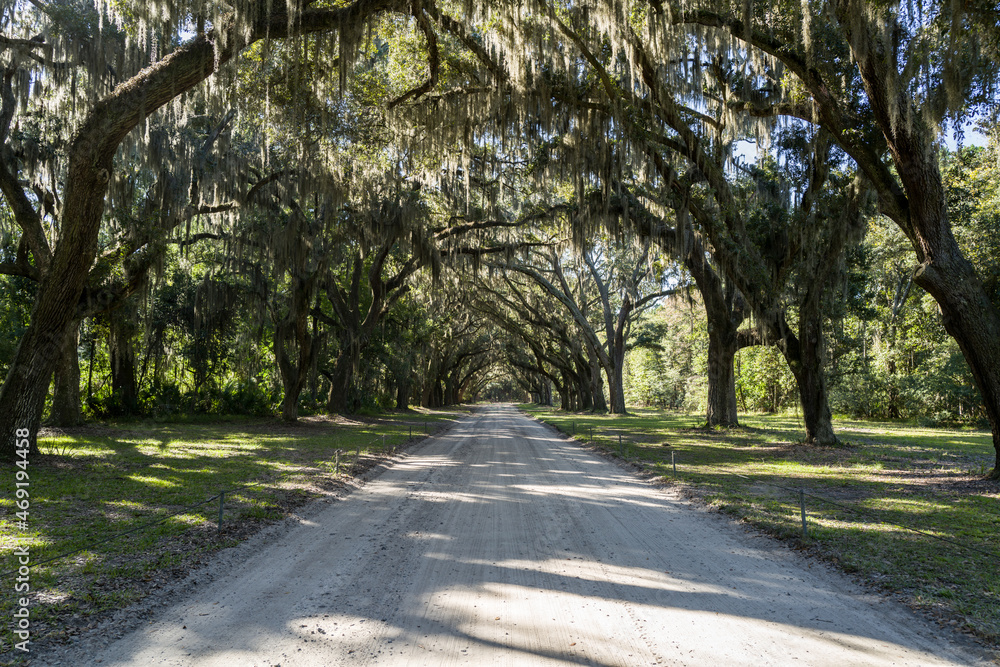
point(500, 543)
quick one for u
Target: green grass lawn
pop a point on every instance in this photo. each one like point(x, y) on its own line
point(927, 479)
point(99, 480)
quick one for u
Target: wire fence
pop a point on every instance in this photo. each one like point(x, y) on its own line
point(341, 456)
point(625, 446)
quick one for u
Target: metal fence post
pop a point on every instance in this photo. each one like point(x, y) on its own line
point(673, 462)
point(621, 447)
point(336, 463)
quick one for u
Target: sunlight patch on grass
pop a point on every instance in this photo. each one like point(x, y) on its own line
point(153, 481)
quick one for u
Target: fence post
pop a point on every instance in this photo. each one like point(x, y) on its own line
point(802, 507)
point(222, 501)
point(336, 463)
point(383, 442)
point(621, 447)
point(673, 462)
point(591, 435)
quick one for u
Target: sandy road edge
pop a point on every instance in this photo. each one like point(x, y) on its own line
point(217, 564)
point(810, 554)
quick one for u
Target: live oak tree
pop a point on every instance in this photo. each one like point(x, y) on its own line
point(883, 80)
point(542, 343)
point(654, 90)
point(124, 81)
point(603, 291)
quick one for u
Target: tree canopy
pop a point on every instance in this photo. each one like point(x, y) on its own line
point(328, 204)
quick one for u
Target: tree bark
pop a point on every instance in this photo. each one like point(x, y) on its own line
point(66, 409)
point(340, 399)
point(122, 356)
point(597, 386)
point(725, 311)
point(805, 360)
point(722, 349)
point(403, 393)
point(616, 382)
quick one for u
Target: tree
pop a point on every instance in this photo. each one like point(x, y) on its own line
point(882, 80)
point(104, 121)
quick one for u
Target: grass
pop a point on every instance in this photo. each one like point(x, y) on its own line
point(100, 480)
point(865, 498)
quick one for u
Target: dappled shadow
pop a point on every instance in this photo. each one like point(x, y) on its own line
point(96, 481)
point(502, 540)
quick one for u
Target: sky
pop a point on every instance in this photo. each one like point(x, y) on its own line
point(746, 151)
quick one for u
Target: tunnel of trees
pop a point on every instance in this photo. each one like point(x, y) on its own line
point(329, 206)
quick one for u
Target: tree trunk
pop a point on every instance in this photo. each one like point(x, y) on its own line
point(66, 383)
point(584, 390)
point(122, 357)
point(725, 310)
point(597, 387)
point(805, 360)
point(972, 320)
point(403, 393)
point(451, 389)
point(290, 405)
point(722, 348)
point(340, 399)
point(616, 382)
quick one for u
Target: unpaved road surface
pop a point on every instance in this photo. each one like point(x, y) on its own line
point(501, 543)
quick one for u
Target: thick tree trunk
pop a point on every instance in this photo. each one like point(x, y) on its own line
point(616, 381)
point(66, 382)
point(122, 357)
point(340, 399)
point(725, 311)
point(812, 383)
point(403, 393)
point(293, 374)
point(290, 405)
point(600, 404)
point(22, 398)
point(451, 396)
point(805, 360)
point(722, 348)
point(972, 320)
point(583, 389)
